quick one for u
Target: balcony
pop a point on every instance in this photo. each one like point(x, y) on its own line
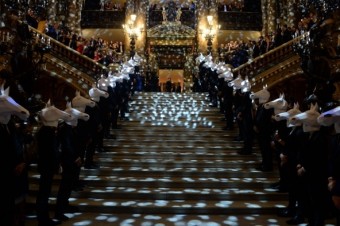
point(102, 19)
point(188, 18)
point(227, 20)
point(240, 21)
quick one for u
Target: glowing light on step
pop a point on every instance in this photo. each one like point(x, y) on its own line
point(112, 219)
point(82, 223)
point(128, 222)
point(152, 217)
point(166, 109)
point(252, 205)
point(129, 203)
point(102, 217)
point(224, 204)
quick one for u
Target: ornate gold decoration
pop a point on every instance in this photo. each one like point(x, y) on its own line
point(171, 30)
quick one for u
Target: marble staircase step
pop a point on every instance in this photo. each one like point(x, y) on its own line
point(171, 193)
point(126, 219)
point(96, 179)
point(182, 206)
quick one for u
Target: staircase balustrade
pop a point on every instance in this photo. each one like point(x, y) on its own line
point(69, 55)
point(252, 68)
point(262, 63)
point(5, 36)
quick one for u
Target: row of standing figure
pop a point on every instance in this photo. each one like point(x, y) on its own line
point(305, 146)
point(307, 153)
point(65, 146)
point(78, 141)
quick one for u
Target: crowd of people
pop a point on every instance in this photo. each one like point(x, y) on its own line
point(238, 52)
point(231, 6)
point(103, 51)
point(104, 5)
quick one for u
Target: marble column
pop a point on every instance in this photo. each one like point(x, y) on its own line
point(51, 10)
point(272, 16)
point(73, 16)
point(264, 10)
point(291, 13)
point(79, 7)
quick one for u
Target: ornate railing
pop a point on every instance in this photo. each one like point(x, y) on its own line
point(57, 68)
point(255, 66)
point(69, 55)
point(240, 21)
point(102, 19)
point(277, 74)
point(5, 35)
point(188, 18)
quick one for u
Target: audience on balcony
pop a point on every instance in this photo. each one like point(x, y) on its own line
point(231, 6)
point(104, 5)
point(183, 6)
point(98, 49)
point(237, 52)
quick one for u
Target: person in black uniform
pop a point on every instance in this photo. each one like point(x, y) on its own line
point(13, 168)
point(334, 174)
point(70, 160)
point(227, 93)
point(245, 121)
point(312, 165)
point(289, 148)
point(168, 85)
point(238, 103)
point(263, 128)
point(95, 127)
point(48, 161)
point(48, 165)
point(96, 133)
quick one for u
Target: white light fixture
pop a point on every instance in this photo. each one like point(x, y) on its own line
point(133, 17)
point(210, 19)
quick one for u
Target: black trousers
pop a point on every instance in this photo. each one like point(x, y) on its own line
point(69, 178)
point(45, 186)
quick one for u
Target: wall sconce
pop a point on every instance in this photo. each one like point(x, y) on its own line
point(133, 17)
point(209, 32)
point(210, 20)
point(131, 28)
point(133, 31)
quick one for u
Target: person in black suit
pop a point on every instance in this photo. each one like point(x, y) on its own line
point(244, 117)
point(263, 127)
point(334, 173)
point(48, 165)
point(70, 161)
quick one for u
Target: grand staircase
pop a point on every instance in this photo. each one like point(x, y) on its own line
point(172, 164)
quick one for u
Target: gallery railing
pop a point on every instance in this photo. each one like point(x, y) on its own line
point(188, 18)
point(102, 19)
point(240, 20)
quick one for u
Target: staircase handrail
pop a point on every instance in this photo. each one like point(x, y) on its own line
point(254, 66)
point(88, 65)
